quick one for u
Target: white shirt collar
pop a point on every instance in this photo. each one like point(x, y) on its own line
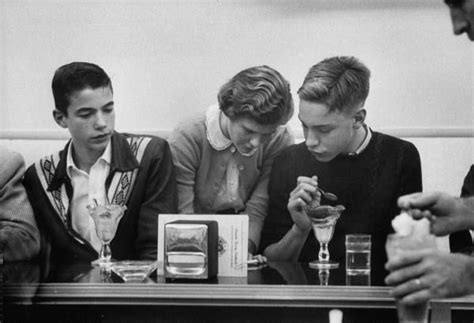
point(105, 157)
point(214, 133)
point(364, 143)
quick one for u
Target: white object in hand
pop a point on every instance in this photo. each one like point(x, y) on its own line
point(404, 225)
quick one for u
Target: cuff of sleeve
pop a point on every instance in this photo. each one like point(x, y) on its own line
point(252, 247)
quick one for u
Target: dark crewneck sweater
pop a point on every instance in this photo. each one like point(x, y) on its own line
point(368, 185)
point(462, 239)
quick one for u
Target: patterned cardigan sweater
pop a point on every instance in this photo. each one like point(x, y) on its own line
point(141, 177)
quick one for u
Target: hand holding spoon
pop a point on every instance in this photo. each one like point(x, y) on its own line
point(327, 195)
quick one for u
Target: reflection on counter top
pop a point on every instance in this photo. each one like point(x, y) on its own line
point(86, 293)
point(272, 273)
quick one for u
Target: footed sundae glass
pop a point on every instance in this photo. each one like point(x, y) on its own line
point(323, 277)
point(106, 219)
point(323, 219)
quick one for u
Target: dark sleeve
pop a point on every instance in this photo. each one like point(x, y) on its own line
point(40, 206)
point(411, 180)
point(278, 220)
point(468, 185)
point(160, 197)
point(463, 239)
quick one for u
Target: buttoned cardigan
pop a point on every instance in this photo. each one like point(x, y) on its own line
point(141, 177)
point(201, 170)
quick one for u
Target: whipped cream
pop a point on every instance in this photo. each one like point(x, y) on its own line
point(404, 225)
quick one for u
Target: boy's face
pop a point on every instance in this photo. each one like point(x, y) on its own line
point(247, 135)
point(327, 134)
point(90, 119)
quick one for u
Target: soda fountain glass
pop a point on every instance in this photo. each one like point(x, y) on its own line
point(397, 244)
point(323, 219)
point(106, 219)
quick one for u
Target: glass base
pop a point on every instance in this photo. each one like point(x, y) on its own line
point(103, 263)
point(318, 264)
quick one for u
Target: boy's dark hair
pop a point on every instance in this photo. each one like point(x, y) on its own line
point(339, 82)
point(74, 77)
point(259, 93)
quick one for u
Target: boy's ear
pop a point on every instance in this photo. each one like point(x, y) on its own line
point(59, 117)
point(359, 118)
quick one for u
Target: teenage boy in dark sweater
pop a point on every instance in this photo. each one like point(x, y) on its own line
point(367, 170)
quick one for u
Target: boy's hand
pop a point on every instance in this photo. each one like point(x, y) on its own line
point(304, 194)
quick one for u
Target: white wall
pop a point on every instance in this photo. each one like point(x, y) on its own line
point(167, 60)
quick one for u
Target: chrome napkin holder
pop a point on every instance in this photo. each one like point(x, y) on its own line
point(191, 249)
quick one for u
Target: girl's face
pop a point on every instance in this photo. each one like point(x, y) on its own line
point(246, 134)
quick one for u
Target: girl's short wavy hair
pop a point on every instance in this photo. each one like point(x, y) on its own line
point(340, 82)
point(259, 93)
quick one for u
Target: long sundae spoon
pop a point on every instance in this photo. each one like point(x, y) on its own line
point(329, 196)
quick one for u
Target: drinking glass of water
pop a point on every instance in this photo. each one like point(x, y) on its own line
point(358, 248)
point(396, 244)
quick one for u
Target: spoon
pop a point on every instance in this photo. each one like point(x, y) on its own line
point(329, 196)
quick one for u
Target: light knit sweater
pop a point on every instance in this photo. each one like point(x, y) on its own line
point(213, 176)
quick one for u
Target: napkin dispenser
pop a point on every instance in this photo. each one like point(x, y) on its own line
point(191, 249)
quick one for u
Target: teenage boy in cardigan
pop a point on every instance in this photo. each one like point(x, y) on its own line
point(367, 170)
point(99, 164)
